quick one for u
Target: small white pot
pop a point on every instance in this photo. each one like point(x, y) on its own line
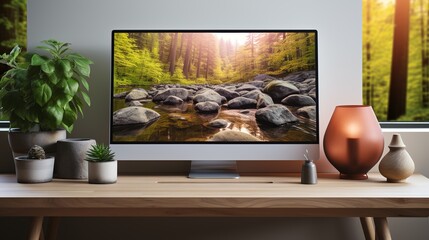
point(34, 170)
point(103, 172)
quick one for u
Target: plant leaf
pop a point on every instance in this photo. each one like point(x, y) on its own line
point(84, 69)
point(53, 78)
point(45, 48)
point(67, 68)
point(86, 98)
point(73, 86)
point(55, 115)
point(69, 129)
point(48, 67)
point(77, 103)
point(84, 83)
point(69, 117)
point(81, 59)
point(42, 93)
point(14, 53)
point(37, 60)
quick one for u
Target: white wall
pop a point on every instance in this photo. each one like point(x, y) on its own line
point(88, 23)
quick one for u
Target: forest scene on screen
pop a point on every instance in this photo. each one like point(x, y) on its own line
point(396, 59)
point(214, 86)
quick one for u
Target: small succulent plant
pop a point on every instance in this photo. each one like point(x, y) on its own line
point(36, 152)
point(99, 153)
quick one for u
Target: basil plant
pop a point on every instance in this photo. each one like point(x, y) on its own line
point(44, 92)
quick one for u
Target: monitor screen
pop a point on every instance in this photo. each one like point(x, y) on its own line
point(209, 87)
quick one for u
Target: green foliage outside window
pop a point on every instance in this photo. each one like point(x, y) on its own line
point(379, 70)
point(13, 29)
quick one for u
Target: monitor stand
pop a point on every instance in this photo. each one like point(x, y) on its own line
point(214, 169)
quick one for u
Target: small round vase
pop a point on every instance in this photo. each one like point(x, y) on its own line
point(397, 164)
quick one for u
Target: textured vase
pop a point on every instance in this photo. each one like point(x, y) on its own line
point(70, 160)
point(397, 164)
point(353, 141)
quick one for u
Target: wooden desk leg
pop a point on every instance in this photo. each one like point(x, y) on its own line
point(382, 228)
point(368, 227)
point(36, 228)
point(53, 228)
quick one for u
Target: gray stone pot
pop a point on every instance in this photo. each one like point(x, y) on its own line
point(34, 170)
point(70, 160)
point(103, 172)
point(21, 142)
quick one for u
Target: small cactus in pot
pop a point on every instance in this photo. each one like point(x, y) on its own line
point(102, 166)
point(36, 152)
point(36, 167)
point(100, 153)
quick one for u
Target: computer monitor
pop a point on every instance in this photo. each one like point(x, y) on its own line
point(214, 96)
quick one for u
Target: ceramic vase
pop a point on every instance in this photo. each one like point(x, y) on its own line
point(70, 160)
point(353, 141)
point(34, 170)
point(103, 172)
point(397, 164)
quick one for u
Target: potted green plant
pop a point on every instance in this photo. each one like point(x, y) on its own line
point(102, 166)
point(43, 94)
point(36, 167)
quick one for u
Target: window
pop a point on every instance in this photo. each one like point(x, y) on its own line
point(13, 29)
point(396, 60)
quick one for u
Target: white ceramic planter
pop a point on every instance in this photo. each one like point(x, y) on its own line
point(102, 172)
point(34, 170)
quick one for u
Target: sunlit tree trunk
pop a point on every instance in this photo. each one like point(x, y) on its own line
point(425, 56)
point(182, 38)
point(161, 46)
point(207, 63)
point(187, 61)
point(199, 59)
point(398, 78)
point(252, 45)
point(173, 54)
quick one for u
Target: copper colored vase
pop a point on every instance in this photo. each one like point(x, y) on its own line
point(353, 141)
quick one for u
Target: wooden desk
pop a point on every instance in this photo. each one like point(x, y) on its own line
point(249, 196)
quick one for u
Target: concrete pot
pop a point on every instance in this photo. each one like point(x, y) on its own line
point(34, 170)
point(21, 142)
point(102, 172)
point(70, 160)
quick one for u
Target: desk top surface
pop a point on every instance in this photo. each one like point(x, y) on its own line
point(278, 186)
point(143, 195)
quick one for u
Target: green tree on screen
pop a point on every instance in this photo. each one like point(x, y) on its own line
point(134, 65)
point(144, 58)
